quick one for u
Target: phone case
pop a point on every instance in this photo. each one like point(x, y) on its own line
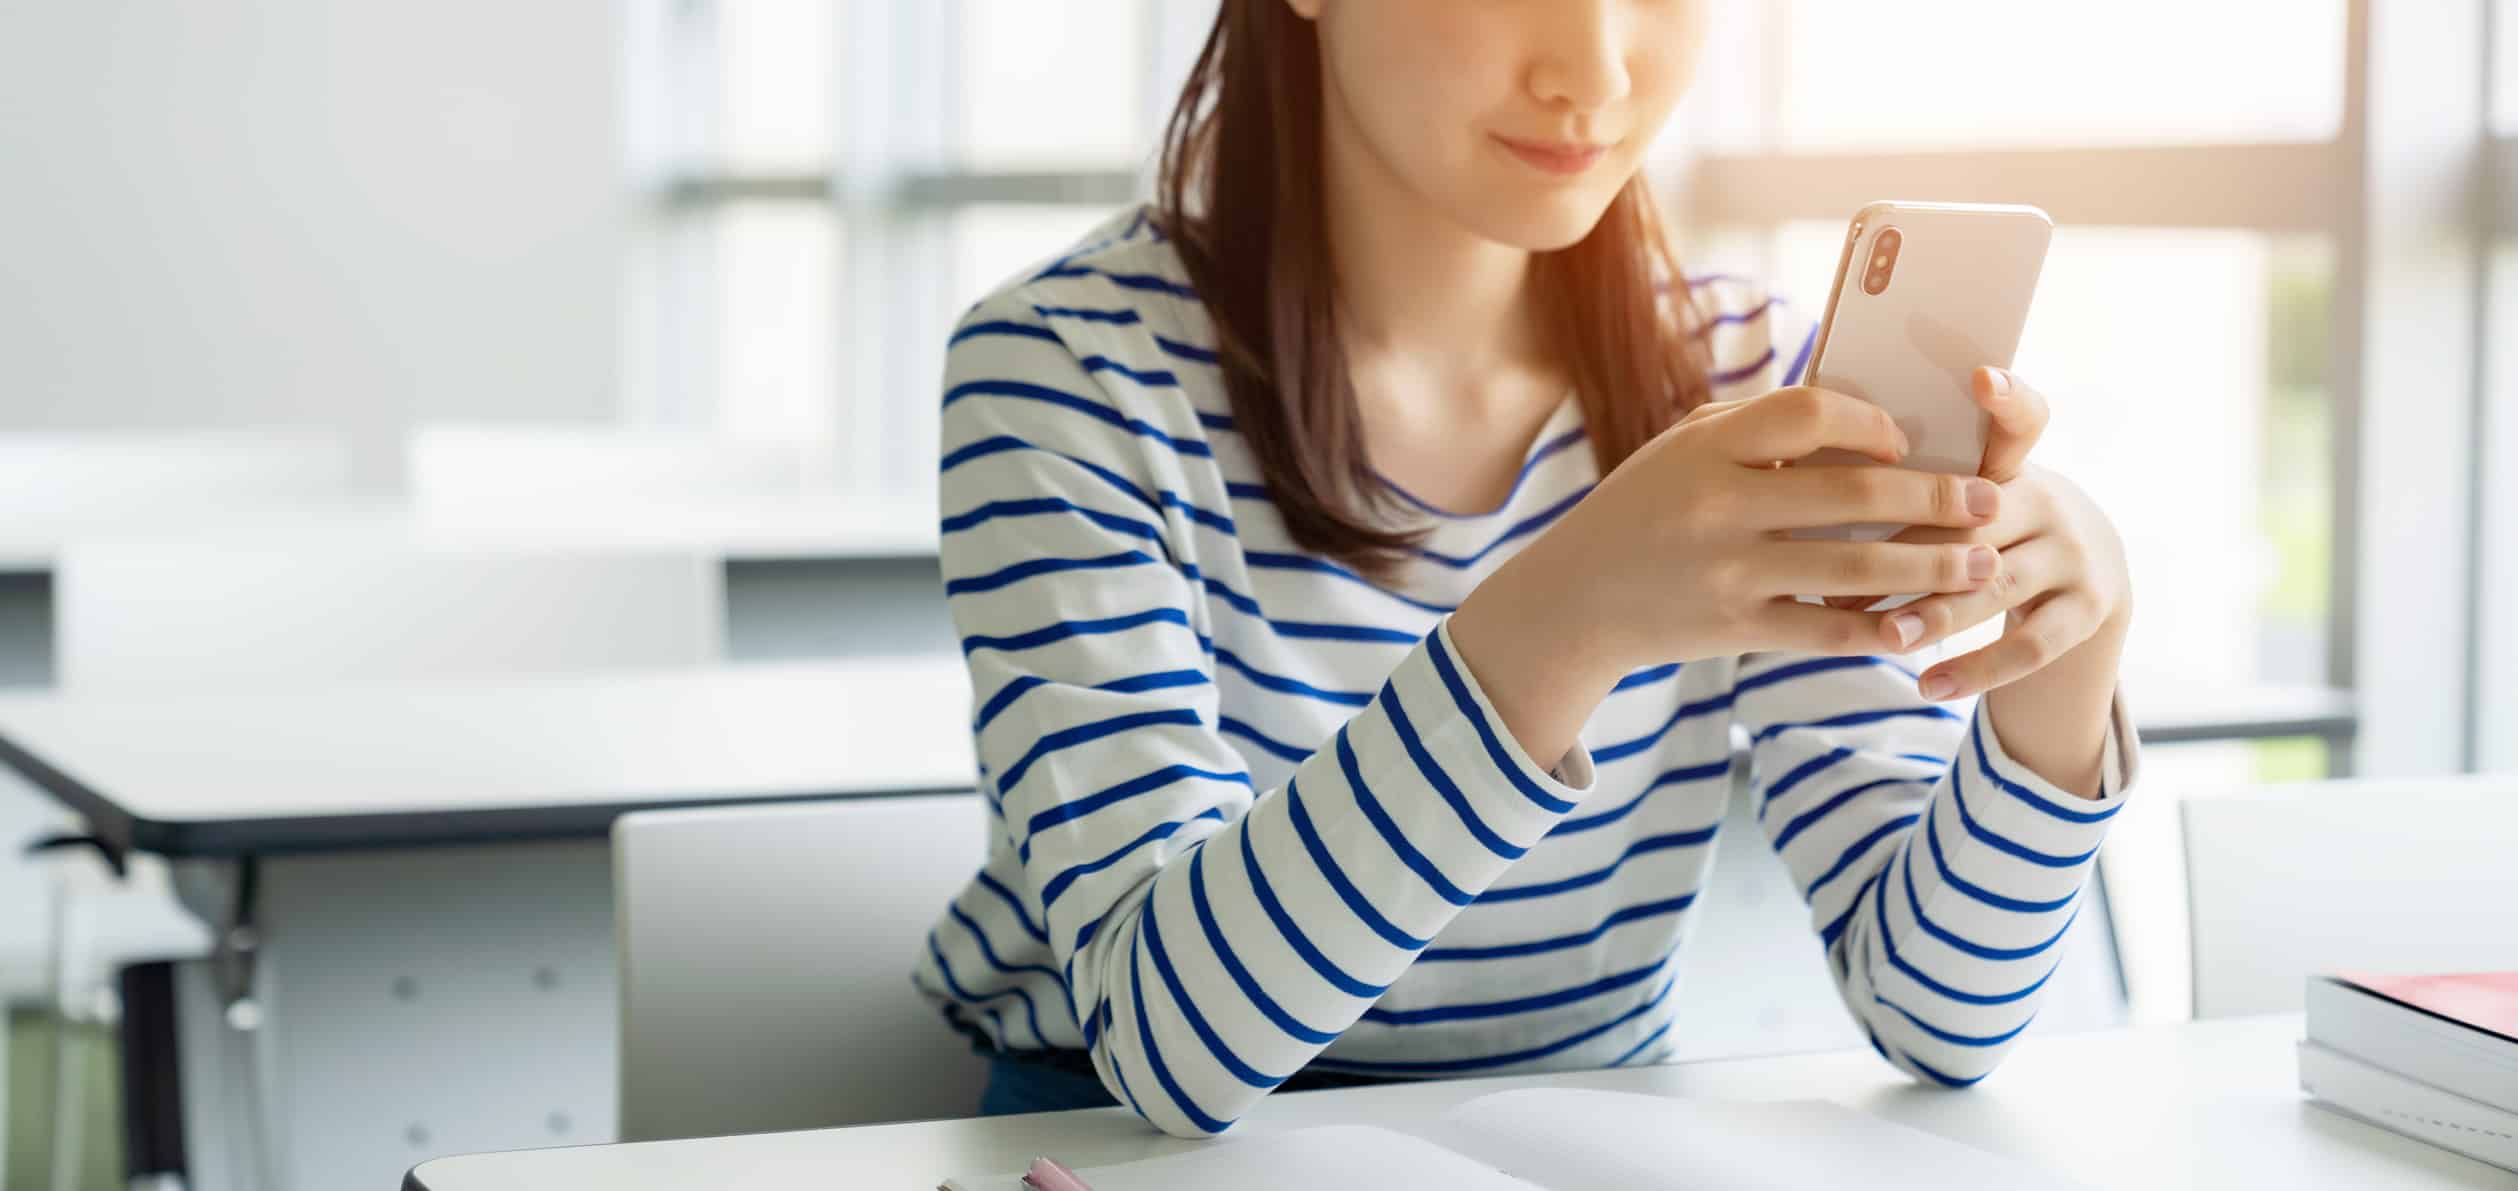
point(1957, 300)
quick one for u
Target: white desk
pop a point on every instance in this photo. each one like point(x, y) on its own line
point(426, 875)
point(816, 528)
point(809, 577)
point(402, 764)
point(2209, 1105)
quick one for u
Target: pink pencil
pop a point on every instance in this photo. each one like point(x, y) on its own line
point(1047, 1175)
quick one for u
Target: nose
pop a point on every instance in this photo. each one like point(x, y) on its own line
point(1581, 65)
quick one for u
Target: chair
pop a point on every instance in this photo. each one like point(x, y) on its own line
point(458, 472)
point(2414, 874)
point(764, 965)
point(297, 608)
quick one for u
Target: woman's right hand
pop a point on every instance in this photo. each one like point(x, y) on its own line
point(1686, 551)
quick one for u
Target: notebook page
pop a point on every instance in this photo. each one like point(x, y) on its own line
point(1577, 1140)
point(1330, 1158)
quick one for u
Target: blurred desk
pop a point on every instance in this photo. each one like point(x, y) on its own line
point(390, 765)
point(818, 528)
point(2213, 1104)
point(412, 882)
point(805, 578)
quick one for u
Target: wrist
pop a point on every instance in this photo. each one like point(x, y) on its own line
point(2056, 720)
point(1534, 648)
point(1559, 612)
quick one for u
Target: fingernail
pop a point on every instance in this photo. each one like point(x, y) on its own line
point(1983, 497)
point(1908, 627)
point(1981, 563)
point(1937, 687)
point(1997, 382)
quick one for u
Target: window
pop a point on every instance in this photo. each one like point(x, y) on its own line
point(2170, 329)
point(1017, 55)
point(2505, 67)
point(776, 105)
point(835, 183)
point(1993, 72)
point(2208, 328)
point(733, 319)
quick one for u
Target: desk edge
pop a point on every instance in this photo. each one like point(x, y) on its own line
point(228, 838)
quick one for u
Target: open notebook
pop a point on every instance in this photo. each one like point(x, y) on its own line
point(1559, 1139)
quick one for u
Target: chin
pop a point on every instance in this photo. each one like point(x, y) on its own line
point(1543, 220)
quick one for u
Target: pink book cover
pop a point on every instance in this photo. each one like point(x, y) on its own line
point(2486, 1001)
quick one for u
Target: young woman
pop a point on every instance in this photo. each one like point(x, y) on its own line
point(1339, 721)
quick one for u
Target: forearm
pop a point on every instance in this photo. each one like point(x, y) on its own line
point(1542, 659)
point(1428, 805)
point(2055, 721)
point(1940, 869)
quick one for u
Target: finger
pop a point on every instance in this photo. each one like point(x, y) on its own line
point(2019, 521)
point(1806, 628)
point(1926, 535)
point(2046, 632)
point(1873, 568)
point(1806, 497)
point(2029, 571)
point(2012, 526)
point(2019, 415)
point(1796, 422)
point(2016, 523)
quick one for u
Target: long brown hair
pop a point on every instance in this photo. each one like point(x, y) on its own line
point(1239, 195)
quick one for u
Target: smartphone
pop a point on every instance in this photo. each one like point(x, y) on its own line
point(1925, 294)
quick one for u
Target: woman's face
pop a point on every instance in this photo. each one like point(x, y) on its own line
point(1519, 119)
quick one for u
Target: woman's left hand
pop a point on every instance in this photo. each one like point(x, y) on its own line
point(2062, 583)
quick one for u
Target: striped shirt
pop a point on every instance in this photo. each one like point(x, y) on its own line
point(1250, 812)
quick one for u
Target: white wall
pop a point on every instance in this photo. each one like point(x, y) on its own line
point(245, 212)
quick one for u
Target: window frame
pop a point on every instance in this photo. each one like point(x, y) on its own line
point(2492, 724)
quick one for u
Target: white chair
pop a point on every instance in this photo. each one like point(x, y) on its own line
point(764, 965)
point(465, 472)
point(2402, 874)
point(290, 609)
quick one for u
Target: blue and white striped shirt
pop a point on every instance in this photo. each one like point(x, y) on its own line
point(1250, 812)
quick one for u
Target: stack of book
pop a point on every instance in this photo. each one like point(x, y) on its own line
point(2431, 1057)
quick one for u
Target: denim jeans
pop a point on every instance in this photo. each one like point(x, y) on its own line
point(1025, 1085)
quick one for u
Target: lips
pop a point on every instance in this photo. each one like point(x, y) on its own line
point(1563, 159)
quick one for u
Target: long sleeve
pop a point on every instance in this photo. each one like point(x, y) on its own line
point(1210, 936)
point(1940, 873)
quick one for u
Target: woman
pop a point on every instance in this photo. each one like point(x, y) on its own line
point(1340, 723)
